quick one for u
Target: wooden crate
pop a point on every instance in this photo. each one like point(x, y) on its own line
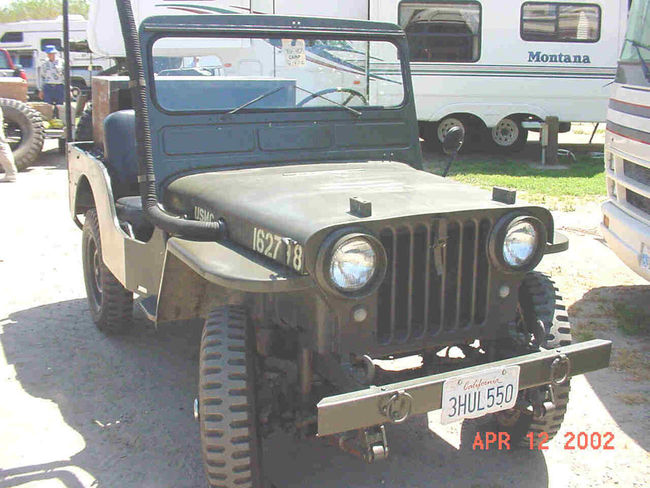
point(13, 87)
point(110, 94)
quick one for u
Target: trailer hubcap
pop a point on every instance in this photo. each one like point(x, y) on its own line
point(447, 124)
point(506, 132)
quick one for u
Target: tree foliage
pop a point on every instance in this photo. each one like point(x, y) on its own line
point(40, 9)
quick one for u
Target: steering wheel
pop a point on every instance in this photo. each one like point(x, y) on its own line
point(318, 94)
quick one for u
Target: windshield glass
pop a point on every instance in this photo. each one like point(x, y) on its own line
point(637, 42)
point(246, 73)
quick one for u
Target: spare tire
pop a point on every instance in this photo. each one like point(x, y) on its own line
point(23, 128)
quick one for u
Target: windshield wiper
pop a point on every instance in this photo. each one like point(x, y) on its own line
point(256, 99)
point(644, 65)
point(355, 112)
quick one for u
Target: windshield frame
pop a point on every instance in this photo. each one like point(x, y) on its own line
point(396, 39)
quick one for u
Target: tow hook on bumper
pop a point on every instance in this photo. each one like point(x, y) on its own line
point(396, 402)
point(369, 444)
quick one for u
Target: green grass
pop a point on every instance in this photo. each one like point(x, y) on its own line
point(582, 335)
point(631, 320)
point(583, 180)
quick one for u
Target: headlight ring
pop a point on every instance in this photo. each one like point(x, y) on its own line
point(351, 264)
point(517, 243)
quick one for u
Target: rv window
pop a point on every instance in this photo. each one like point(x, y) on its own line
point(560, 22)
point(442, 31)
point(4, 61)
point(54, 42)
point(12, 37)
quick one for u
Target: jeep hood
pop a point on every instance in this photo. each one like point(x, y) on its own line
point(298, 201)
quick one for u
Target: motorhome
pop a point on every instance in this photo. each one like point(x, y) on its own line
point(626, 213)
point(481, 65)
point(25, 41)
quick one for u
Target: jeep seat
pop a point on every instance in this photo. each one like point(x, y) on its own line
point(129, 210)
point(122, 165)
point(120, 153)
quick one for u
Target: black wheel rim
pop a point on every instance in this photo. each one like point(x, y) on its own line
point(94, 272)
point(13, 134)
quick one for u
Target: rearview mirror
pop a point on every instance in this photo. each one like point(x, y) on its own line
point(453, 140)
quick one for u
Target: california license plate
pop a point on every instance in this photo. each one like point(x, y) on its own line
point(477, 394)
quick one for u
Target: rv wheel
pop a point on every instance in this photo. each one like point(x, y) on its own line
point(75, 89)
point(509, 135)
point(447, 123)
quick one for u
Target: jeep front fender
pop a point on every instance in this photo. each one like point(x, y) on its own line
point(193, 268)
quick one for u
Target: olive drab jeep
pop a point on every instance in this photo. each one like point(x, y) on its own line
point(264, 173)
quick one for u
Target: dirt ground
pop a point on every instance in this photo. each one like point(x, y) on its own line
point(78, 409)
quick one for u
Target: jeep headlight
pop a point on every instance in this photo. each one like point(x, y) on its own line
point(517, 243)
point(353, 264)
point(520, 243)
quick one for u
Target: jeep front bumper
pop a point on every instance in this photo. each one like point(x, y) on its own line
point(365, 408)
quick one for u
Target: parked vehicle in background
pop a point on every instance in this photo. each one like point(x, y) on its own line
point(8, 68)
point(26, 40)
point(626, 213)
point(486, 65)
point(497, 64)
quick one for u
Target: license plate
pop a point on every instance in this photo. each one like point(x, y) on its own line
point(477, 394)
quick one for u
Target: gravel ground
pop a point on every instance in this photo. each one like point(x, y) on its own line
point(80, 409)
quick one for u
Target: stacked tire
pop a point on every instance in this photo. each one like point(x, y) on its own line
point(23, 129)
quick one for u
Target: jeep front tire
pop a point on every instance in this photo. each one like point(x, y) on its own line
point(230, 443)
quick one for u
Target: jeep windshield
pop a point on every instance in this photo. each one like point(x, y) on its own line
point(238, 74)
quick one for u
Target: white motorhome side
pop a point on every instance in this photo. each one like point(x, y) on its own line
point(626, 213)
point(478, 64)
point(494, 64)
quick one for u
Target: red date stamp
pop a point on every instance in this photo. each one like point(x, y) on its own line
point(537, 441)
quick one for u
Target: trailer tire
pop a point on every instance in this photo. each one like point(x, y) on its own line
point(84, 129)
point(538, 300)
point(24, 131)
point(447, 123)
point(76, 87)
point(230, 443)
point(509, 135)
point(110, 304)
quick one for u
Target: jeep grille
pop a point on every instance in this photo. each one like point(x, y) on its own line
point(436, 283)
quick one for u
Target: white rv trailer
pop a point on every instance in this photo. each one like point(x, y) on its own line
point(25, 41)
point(477, 64)
point(626, 212)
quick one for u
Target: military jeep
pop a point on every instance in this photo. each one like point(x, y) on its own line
point(282, 199)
